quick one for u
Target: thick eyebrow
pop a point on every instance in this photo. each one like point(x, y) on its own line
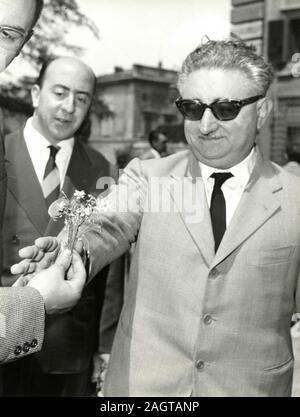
point(68, 89)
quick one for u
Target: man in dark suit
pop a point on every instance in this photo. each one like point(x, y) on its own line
point(62, 98)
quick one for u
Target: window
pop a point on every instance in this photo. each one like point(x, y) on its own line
point(150, 122)
point(294, 36)
point(293, 136)
point(283, 39)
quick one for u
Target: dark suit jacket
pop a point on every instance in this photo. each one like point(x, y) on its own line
point(2, 193)
point(70, 338)
point(2, 205)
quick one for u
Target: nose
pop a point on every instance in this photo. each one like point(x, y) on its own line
point(69, 104)
point(208, 123)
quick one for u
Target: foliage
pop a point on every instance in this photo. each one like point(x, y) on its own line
point(57, 18)
point(49, 39)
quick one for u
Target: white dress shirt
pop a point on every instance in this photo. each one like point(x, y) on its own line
point(156, 154)
point(234, 187)
point(39, 152)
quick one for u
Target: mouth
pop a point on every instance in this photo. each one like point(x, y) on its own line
point(63, 121)
point(211, 138)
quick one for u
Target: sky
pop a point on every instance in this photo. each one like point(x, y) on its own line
point(149, 31)
point(143, 32)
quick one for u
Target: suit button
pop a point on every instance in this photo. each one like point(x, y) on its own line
point(15, 240)
point(207, 319)
point(34, 344)
point(200, 365)
point(214, 273)
point(18, 351)
point(26, 347)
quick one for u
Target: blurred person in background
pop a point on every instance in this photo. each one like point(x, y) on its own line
point(159, 146)
point(293, 164)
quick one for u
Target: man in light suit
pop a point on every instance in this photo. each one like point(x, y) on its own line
point(22, 310)
point(214, 280)
point(62, 98)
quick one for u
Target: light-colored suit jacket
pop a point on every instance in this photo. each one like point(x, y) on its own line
point(22, 315)
point(195, 322)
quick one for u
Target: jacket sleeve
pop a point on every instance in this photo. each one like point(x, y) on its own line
point(117, 223)
point(22, 317)
point(112, 305)
point(298, 296)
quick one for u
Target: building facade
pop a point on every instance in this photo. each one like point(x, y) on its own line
point(141, 99)
point(273, 26)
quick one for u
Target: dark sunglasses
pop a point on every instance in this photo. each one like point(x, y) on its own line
point(193, 109)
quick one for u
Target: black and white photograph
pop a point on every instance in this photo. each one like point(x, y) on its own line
point(149, 201)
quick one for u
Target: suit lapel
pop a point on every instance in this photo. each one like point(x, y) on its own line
point(23, 183)
point(257, 205)
point(78, 173)
point(192, 205)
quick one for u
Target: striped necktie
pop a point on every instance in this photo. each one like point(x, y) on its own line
point(51, 180)
point(218, 207)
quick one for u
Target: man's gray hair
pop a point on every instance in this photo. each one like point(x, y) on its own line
point(229, 55)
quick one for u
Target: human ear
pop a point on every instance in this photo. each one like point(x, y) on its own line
point(264, 107)
point(35, 95)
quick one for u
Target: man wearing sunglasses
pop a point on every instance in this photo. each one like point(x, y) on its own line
point(22, 310)
point(210, 297)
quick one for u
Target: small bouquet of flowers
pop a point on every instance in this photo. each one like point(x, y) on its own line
point(76, 210)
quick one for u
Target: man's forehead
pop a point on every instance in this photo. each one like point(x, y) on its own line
point(69, 74)
point(217, 83)
point(17, 13)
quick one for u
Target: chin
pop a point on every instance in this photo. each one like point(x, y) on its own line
point(215, 161)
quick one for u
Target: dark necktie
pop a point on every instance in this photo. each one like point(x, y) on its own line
point(51, 180)
point(218, 207)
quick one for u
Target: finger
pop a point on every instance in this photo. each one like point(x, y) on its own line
point(47, 260)
point(64, 259)
point(29, 252)
point(47, 244)
point(23, 267)
point(21, 282)
point(77, 264)
point(78, 275)
point(78, 246)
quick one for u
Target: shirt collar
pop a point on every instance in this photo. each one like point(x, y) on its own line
point(40, 142)
point(155, 153)
point(241, 172)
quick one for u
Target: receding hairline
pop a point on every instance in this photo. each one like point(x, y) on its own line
point(70, 61)
point(46, 67)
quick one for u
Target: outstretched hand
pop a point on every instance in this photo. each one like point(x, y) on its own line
point(61, 294)
point(41, 255)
